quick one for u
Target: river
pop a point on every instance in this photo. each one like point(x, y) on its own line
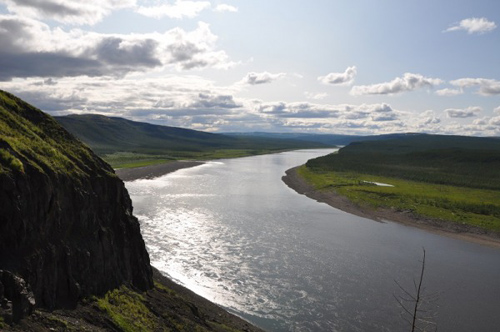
point(233, 232)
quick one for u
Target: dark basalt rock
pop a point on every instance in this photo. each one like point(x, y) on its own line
point(16, 299)
point(66, 223)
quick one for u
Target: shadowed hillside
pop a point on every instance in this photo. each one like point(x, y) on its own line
point(107, 135)
point(454, 160)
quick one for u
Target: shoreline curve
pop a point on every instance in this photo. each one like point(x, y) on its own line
point(154, 171)
point(446, 228)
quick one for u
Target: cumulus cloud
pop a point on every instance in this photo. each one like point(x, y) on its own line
point(427, 119)
point(305, 110)
point(468, 112)
point(473, 25)
point(31, 48)
point(175, 100)
point(495, 121)
point(253, 78)
point(210, 101)
point(315, 96)
point(225, 8)
point(449, 92)
point(180, 9)
point(70, 12)
point(345, 78)
point(497, 110)
point(487, 87)
point(194, 102)
point(408, 82)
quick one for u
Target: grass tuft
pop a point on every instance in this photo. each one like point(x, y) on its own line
point(127, 310)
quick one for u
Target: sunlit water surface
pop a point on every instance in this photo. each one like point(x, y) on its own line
point(234, 233)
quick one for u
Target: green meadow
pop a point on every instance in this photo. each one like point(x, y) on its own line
point(449, 178)
point(476, 207)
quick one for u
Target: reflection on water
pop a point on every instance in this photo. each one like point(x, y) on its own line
point(234, 233)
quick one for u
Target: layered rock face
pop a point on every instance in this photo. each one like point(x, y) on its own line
point(66, 223)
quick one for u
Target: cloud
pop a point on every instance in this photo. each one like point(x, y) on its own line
point(315, 96)
point(449, 92)
point(408, 82)
point(192, 101)
point(428, 118)
point(473, 25)
point(487, 87)
point(304, 110)
point(225, 8)
point(33, 49)
point(468, 112)
point(253, 78)
point(210, 101)
point(299, 110)
point(345, 78)
point(69, 12)
point(497, 110)
point(495, 121)
point(178, 10)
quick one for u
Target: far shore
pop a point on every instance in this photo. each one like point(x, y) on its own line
point(154, 171)
point(446, 228)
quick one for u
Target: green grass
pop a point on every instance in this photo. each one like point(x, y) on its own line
point(30, 138)
point(471, 206)
point(450, 160)
point(165, 289)
point(128, 311)
point(131, 160)
point(10, 161)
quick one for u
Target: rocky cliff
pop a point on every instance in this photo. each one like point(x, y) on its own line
point(66, 224)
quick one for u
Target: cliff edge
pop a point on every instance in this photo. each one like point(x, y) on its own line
point(66, 224)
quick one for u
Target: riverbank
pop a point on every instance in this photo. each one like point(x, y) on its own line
point(446, 228)
point(168, 306)
point(153, 171)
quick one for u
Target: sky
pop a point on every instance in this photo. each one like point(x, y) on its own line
point(354, 67)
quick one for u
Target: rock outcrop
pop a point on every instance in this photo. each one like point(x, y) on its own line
point(66, 224)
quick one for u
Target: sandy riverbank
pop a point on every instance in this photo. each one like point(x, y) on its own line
point(154, 171)
point(446, 228)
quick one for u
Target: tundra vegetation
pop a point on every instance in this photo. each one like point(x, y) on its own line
point(451, 178)
point(124, 143)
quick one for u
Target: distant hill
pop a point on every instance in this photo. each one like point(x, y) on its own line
point(107, 135)
point(328, 139)
point(455, 160)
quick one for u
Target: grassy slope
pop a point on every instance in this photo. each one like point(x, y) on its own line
point(166, 307)
point(40, 143)
point(442, 177)
point(454, 160)
point(125, 143)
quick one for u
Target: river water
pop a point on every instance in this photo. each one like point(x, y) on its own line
point(234, 233)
